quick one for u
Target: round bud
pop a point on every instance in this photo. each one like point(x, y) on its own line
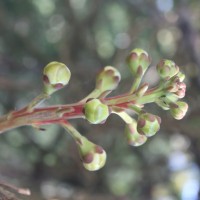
point(108, 79)
point(165, 100)
point(93, 156)
point(181, 90)
point(167, 69)
point(138, 61)
point(178, 110)
point(96, 160)
point(174, 85)
point(55, 76)
point(132, 136)
point(148, 124)
point(95, 111)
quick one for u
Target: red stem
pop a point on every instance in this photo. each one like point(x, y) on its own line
point(54, 114)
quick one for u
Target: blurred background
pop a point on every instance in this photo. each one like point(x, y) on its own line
point(87, 35)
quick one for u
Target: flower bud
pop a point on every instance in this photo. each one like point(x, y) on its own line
point(167, 69)
point(138, 61)
point(95, 111)
point(55, 76)
point(108, 79)
point(93, 156)
point(162, 103)
point(148, 124)
point(178, 109)
point(165, 100)
point(132, 136)
point(174, 85)
point(181, 90)
point(181, 76)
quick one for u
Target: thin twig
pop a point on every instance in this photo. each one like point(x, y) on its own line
point(24, 191)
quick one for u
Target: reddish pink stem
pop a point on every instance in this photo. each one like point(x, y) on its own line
point(54, 114)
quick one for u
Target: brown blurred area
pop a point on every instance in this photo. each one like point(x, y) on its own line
point(88, 35)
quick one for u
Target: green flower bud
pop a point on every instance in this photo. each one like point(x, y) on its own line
point(178, 110)
point(55, 76)
point(162, 103)
point(165, 101)
point(148, 124)
point(132, 136)
point(167, 69)
point(108, 79)
point(95, 111)
point(181, 76)
point(93, 156)
point(138, 61)
point(174, 85)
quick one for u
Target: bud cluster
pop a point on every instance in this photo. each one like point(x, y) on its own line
point(166, 95)
point(174, 88)
point(96, 107)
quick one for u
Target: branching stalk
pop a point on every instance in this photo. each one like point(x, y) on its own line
point(96, 107)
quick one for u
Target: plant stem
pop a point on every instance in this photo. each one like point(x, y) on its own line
point(23, 191)
point(94, 94)
point(127, 118)
point(135, 84)
point(54, 114)
point(136, 109)
point(37, 101)
point(148, 97)
point(71, 130)
point(40, 116)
